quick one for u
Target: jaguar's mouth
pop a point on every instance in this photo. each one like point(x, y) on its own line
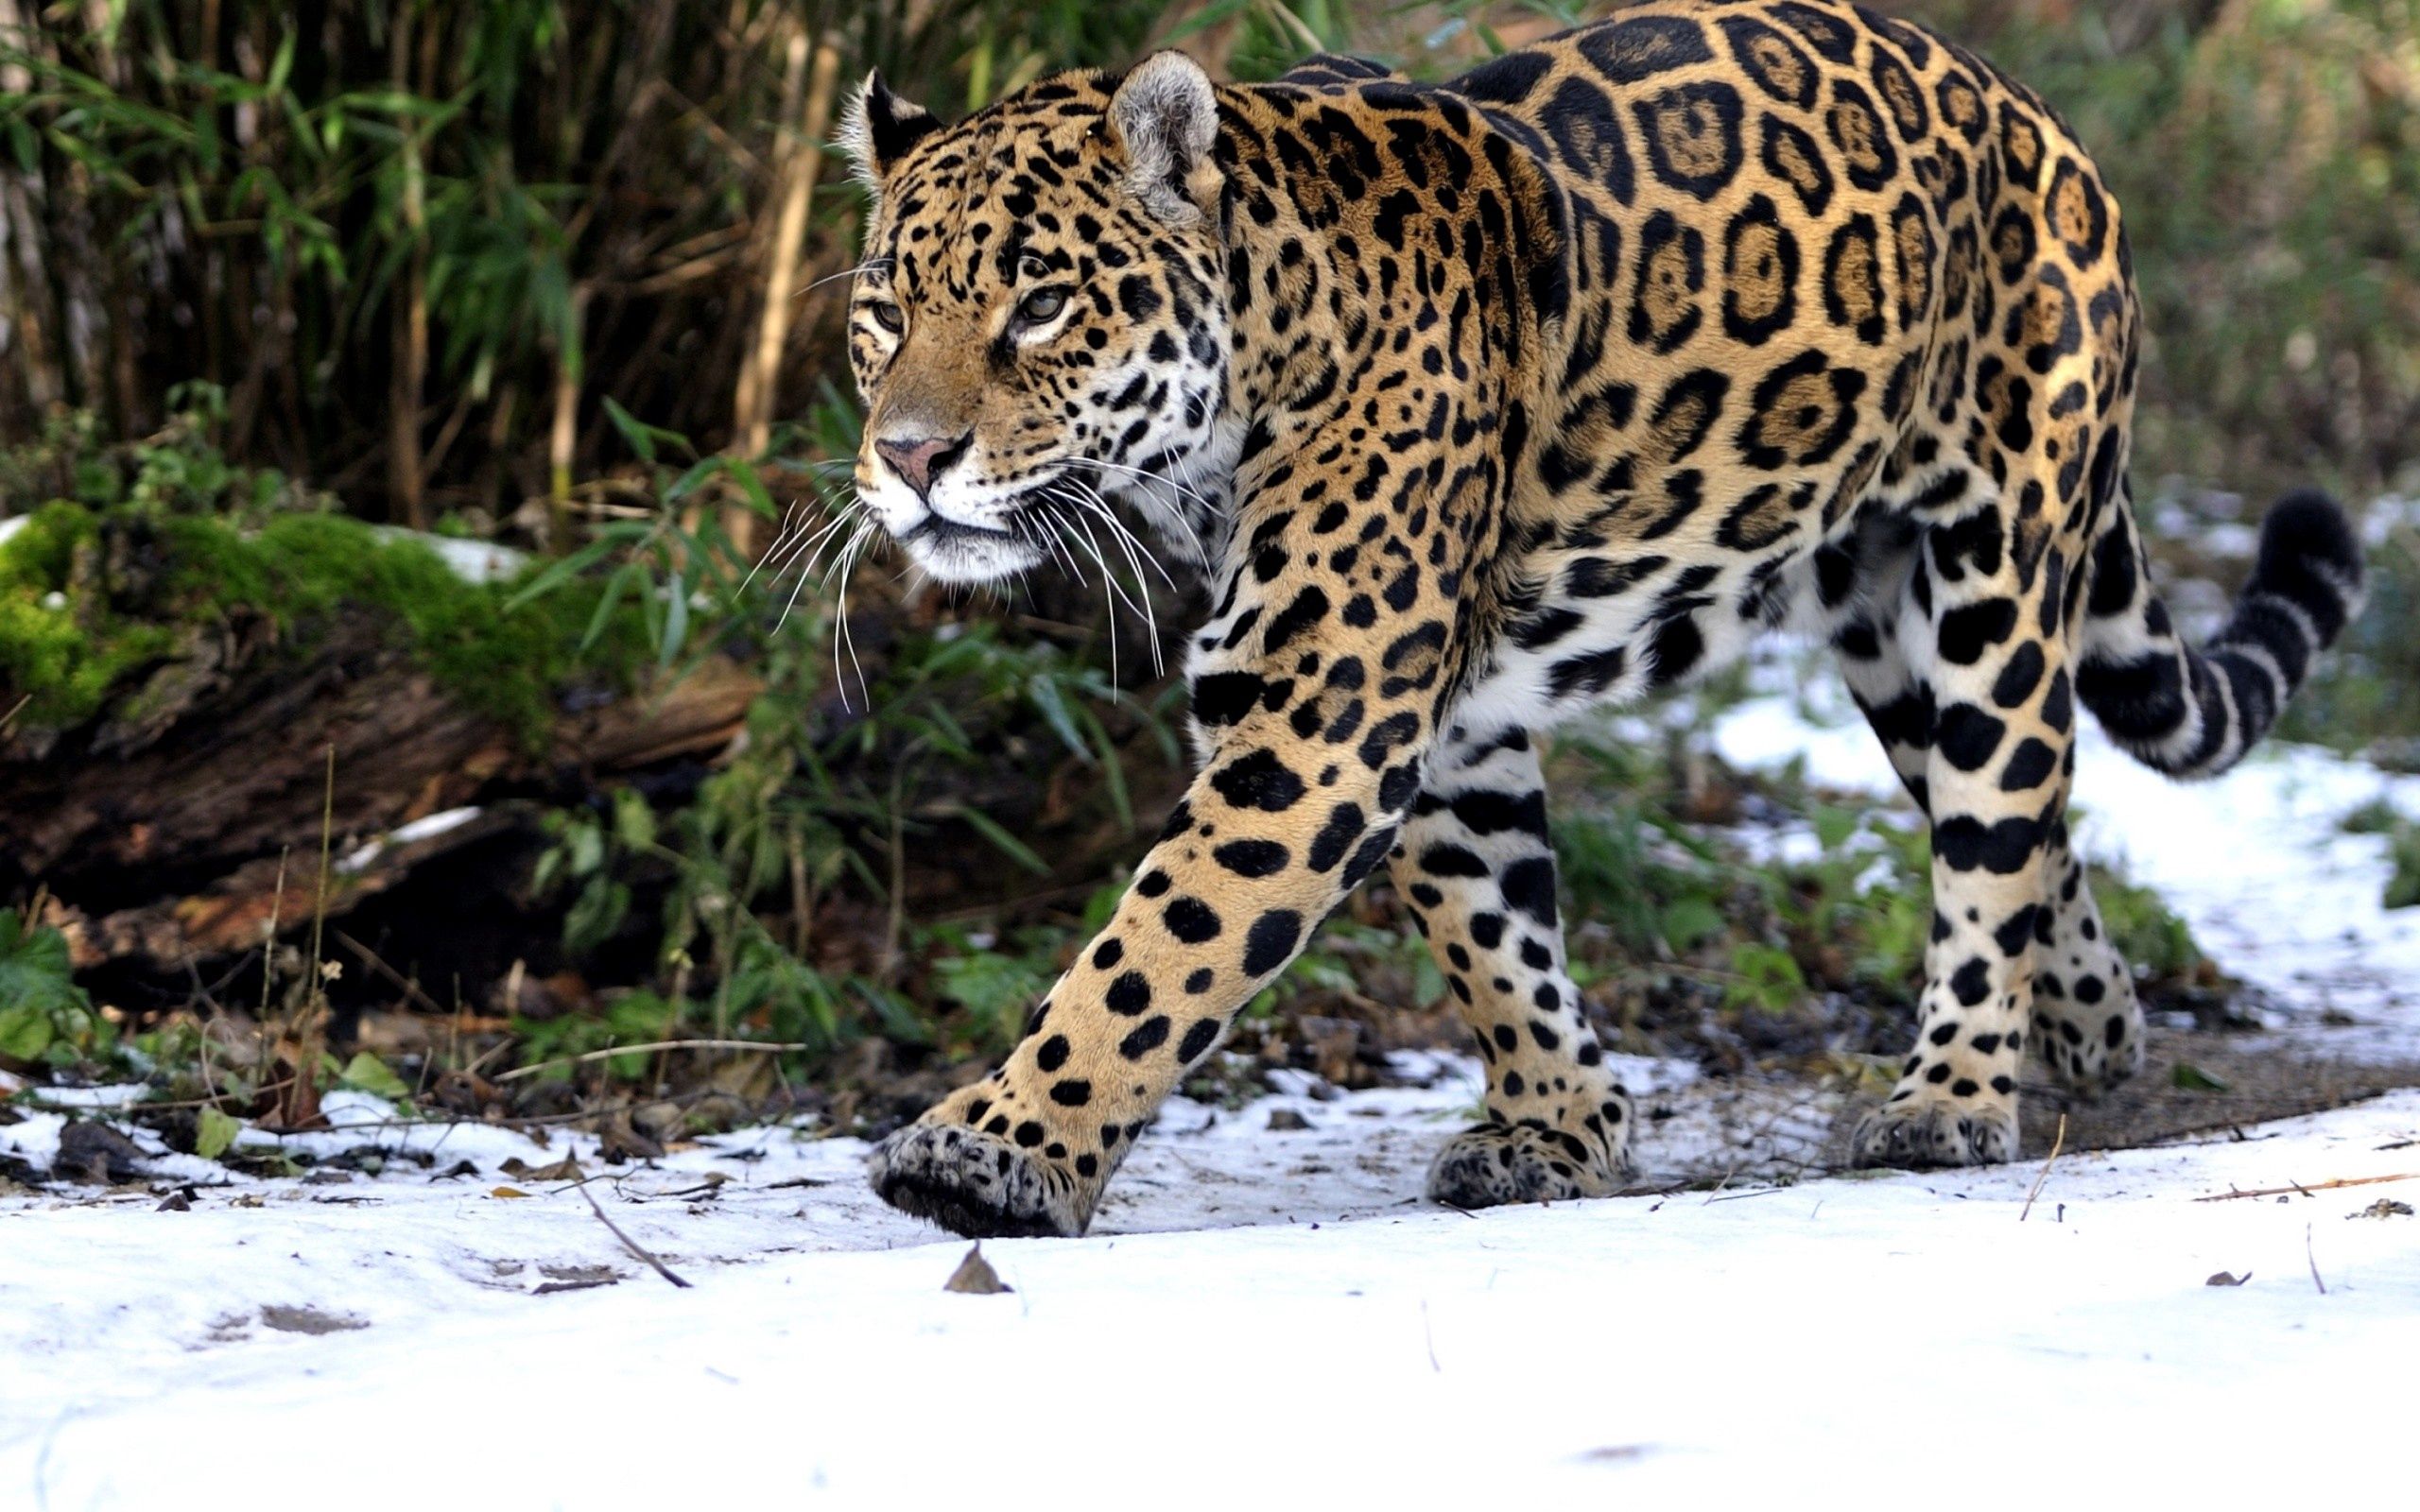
point(954, 551)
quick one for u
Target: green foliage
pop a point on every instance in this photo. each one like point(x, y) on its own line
point(630, 1018)
point(555, 195)
point(2268, 159)
point(2145, 929)
point(75, 627)
point(62, 663)
point(214, 1133)
point(43, 1015)
point(996, 983)
point(2380, 817)
point(366, 1073)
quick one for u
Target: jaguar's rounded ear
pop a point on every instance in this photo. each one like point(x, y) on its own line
point(878, 128)
point(1165, 116)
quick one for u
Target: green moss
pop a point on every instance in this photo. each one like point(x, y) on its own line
point(59, 656)
point(505, 664)
point(66, 653)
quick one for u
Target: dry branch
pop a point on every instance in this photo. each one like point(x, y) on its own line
point(2307, 1190)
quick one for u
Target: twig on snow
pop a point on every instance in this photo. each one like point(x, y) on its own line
point(2058, 1142)
point(630, 1243)
point(2316, 1186)
point(2313, 1261)
point(519, 1071)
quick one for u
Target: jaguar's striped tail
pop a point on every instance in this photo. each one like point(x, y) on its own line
point(2193, 712)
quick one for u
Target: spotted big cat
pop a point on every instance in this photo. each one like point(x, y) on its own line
point(1478, 404)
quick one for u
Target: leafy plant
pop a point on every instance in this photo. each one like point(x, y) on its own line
point(43, 1015)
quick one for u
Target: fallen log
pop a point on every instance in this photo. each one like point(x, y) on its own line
point(157, 834)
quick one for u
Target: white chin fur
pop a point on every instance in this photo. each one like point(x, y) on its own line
point(973, 561)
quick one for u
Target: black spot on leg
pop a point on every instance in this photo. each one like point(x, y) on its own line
point(1528, 886)
point(1129, 995)
point(1270, 940)
point(1258, 781)
point(1148, 1035)
point(1191, 920)
point(1972, 982)
point(1251, 858)
point(1196, 1041)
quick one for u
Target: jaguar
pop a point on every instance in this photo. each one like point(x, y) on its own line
point(1476, 404)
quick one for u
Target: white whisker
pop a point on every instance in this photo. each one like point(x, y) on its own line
point(867, 266)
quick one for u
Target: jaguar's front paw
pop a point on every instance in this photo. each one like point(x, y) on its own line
point(1929, 1127)
point(1493, 1163)
point(977, 1184)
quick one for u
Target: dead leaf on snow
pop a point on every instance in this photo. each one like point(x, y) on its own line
point(566, 1169)
point(974, 1275)
point(2384, 1207)
point(308, 1320)
point(2223, 1278)
point(507, 1191)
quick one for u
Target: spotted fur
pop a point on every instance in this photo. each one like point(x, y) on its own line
point(1482, 403)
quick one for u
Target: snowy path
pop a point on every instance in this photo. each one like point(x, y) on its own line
point(1271, 1314)
point(1838, 1340)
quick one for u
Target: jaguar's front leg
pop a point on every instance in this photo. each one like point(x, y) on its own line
point(1318, 720)
point(1478, 870)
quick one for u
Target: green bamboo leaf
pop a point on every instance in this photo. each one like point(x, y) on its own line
point(1113, 771)
point(1043, 690)
point(617, 587)
point(557, 574)
point(676, 622)
point(1009, 845)
point(640, 438)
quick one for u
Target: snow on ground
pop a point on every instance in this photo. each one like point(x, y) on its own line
point(418, 1340)
point(436, 1317)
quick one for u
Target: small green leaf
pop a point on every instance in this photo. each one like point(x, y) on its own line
point(1690, 919)
point(24, 1033)
point(217, 1134)
point(366, 1073)
point(2194, 1079)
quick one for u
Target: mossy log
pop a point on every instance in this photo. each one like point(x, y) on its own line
point(161, 833)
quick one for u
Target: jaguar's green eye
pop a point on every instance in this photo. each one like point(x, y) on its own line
point(889, 316)
point(1041, 305)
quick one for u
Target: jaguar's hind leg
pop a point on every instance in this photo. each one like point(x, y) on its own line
point(2087, 1026)
point(1988, 703)
point(1475, 868)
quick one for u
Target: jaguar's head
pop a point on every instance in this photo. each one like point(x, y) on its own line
point(1039, 323)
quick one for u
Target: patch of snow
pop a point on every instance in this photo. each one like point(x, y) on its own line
point(2380, 519)
point(111, 1098)
point(2241, 541)
point(1260, 1309)
point(420, 829)
point(473, 561)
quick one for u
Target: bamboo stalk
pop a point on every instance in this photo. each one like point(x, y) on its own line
point(404, 459)
point(759, 373)
point(560, 441)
